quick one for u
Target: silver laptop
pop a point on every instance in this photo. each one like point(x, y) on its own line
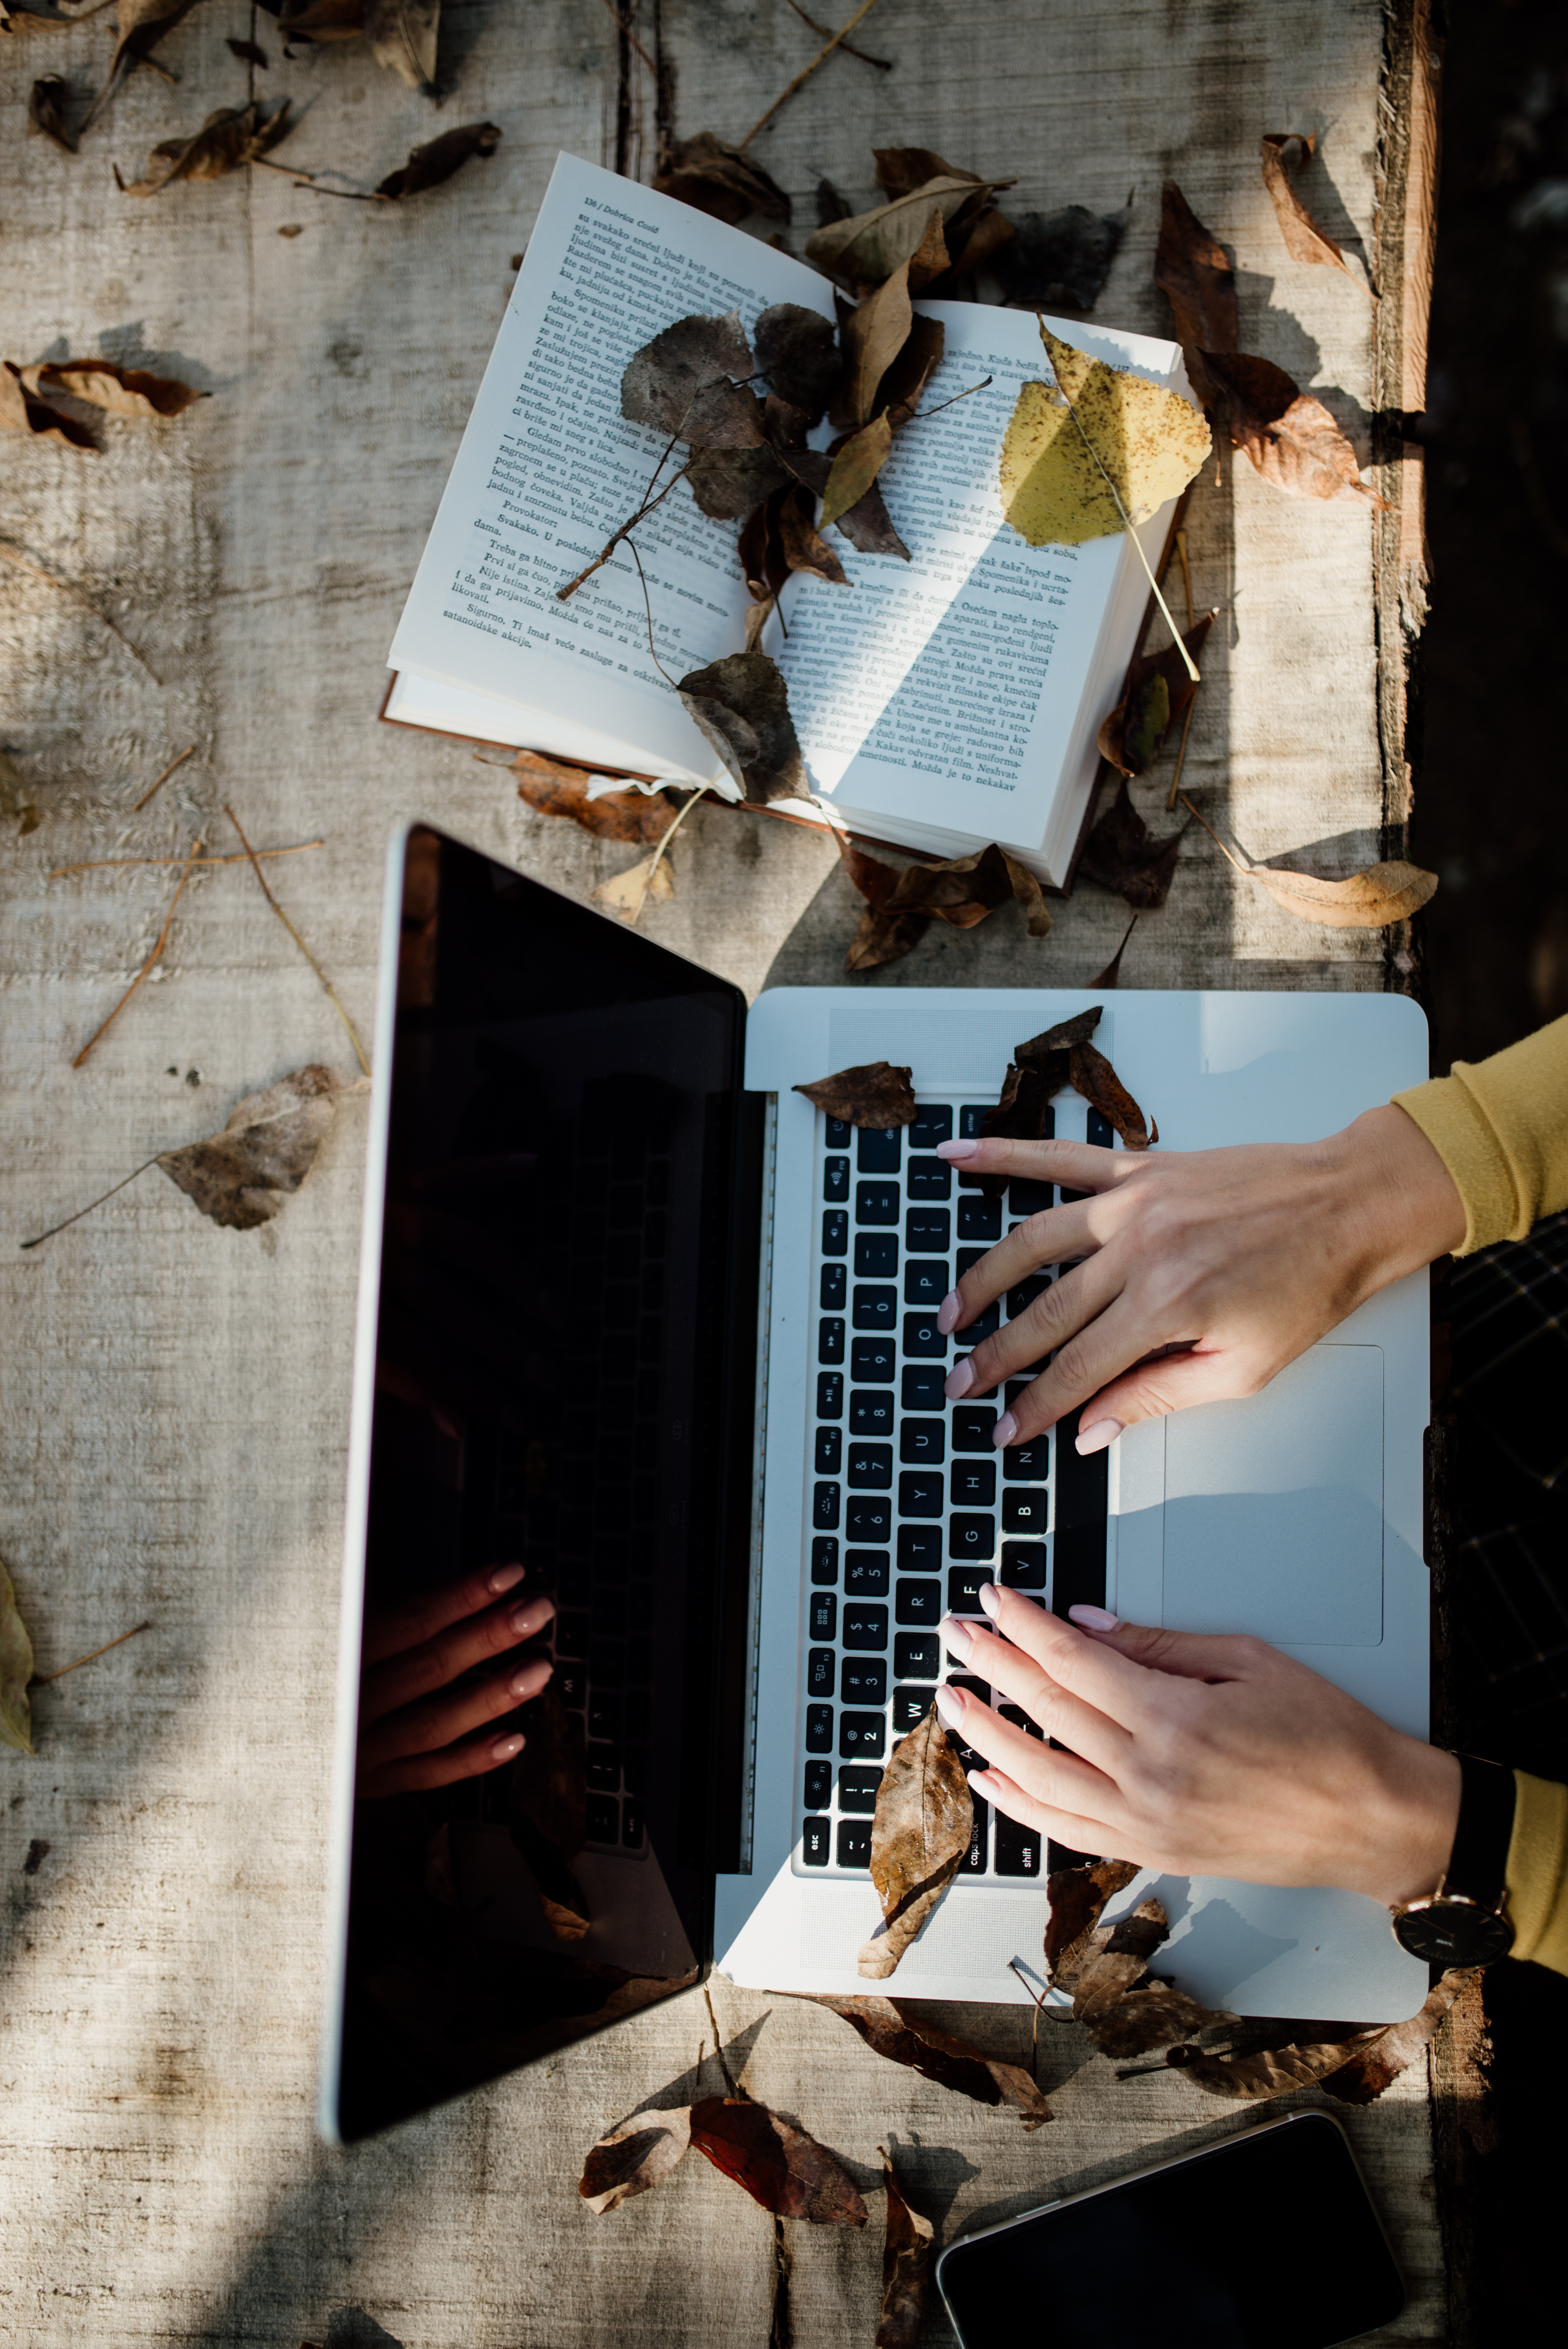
point(635, 1314)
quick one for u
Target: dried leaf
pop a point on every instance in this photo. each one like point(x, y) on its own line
point(906, 2257)
point(876, 1094)
point(429, 165)
point(1376, 2061)
point(931, 258)
point(1111, 975)
point(1193, 272)
point(805, 549)
point(403, 34)
point(720, 180)
point(1060, 259)
point(904, 383)
point(873, 335)
point(1271, 2071)
point(231, 137)
point(902, 171)
point(1122, 854)
point(21, 413)
point(868, 247)
point(34, 16)
point(321, 20)
point(797, 351)
point(868, 526)
point(1159, 688)
point(1366, 901)
point(742, 708)
point(779, 2165)
point(1289, 438)
point(1020, 1113)
point(1093, 1076)
point(1305, 240)
point(920, 1832)
point(855, 468)
point(961, 891)
point(785, 424)
point(883, 936)
point(760, 549)
point(47, 110)
point(633, 2158)
point(1123, 2012)
point(892, 2031)
point(553, 788)
point(626, 893)
point(977, 239)
point(248, 53)
point(664, 379)
point(124, 391)
point(1149, 441)
point(730, 483)
point(141, 25)
point(830, 205)
point(241, 1176)
point(17, 797)
point(15, 1671)
point(1076, 1895)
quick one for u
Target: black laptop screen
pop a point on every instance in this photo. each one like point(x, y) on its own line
point(562, 1380)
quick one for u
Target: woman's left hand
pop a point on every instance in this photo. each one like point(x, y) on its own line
point(415, 1729)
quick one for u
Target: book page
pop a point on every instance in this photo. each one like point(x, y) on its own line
point(549, 467)
point(952, 692)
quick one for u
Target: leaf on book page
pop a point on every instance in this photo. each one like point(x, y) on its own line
point(741, 706)
point(1060, 260)
point(760, 551)
point(797, 351)
point(1195, 276)
point(1122, 853)
point(46, 104)
point(242, 1177)
point(855, 468)
point(876, 1094)
point(868, 247)
point(868, 526)
point(1305, 240)
point(1077, 1897)
point(779, 2165)
point(920, 1832)
point(403, 34)
point(785, 424)
point(140, 25)
point(904, 386)
point(1289, 437)
point(430, 165)
point(1065, 446)
point(719, 179)
point(805, 548)
point(15, 1671)
point(903, 2034)
point(125, 391)
point(229, 139)
point(873, 335)
point(553, 787)
point(21, 413)
point(626, 893)
point(1093, 1076)
point(664, 379)
point(633, 2158)
point(730, 483)
point(906, 2259)
point(1159, 688)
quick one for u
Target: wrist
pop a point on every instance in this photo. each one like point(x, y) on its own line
point(1412, 1854)
point(1405, 1203)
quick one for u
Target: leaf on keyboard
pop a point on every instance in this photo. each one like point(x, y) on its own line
point(548, 1800)
point(875, 1094)
point(1040, 1053)
point(779, 2165)
point(892, 2031)
point(633, 2158)
point(906, 2258)
point(921, 1830)
point(1093, 1076)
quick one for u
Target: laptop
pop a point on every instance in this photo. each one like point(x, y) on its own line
point(636, 1315)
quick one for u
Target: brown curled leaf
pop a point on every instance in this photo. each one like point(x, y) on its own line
point(1370, 900)
point(631, 2159)
point(1305, 240)
point(20, 412)
point(876, 1094)
point(779, 2165)
point(903, 385)
point(719, 179)
point(855, 469)
point(797, 351)
point(321, 20)
point(868, 526)
point(920, 1832)
point(1373, 2063)
point(15, 1671)
point(552, 787)
point(429, 165)
point(901, 2035)
point(1271, 2071)
point(1078, 1895)
point(1122, 853)
point(140, 25)
point(1285, 434)
point(124, 391)
point(1111, 975)
point(1125, 2012)
point(961, 891)
point(900, 170)
point(403, 36)
point(46, 103)
point(805, 548)
point(1093, 1076)
point(906, 2261)
point(741, 707)
point(867, 248)
point(1159, 688)
point(873, 336)
point(229, 137)
point(241, 1176)
point(1195, 275)
point(248, 53)
point(663, 380)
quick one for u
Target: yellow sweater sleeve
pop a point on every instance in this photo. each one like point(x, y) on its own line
point(1501, 1128)
point(1538, 1872)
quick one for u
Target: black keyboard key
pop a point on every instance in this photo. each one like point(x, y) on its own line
point(928, 1231)
point(920, 1493)
point(918, 1602)
point(876, 1256)
point(830, 1341)
point(606, 1717)
point(876, 1203)
point(572, 1635)
point(603, 1769)
point(825, 1506)
point(862, 1737)
point(823, 1615)
point(972, 1539)
point(923, 1337)
point(1098, 1130)
point(866, 1574)
point(1028, 1464)
point(865, 1681)
point(835, 1231)
point(829, 1394)
point(922, 1441)
point(836, 1178)
point(1025, 1198)
point(1023, 1565)
point(854, 1843)
point(920, 1549)
point(1020, 1720)
point(818, 1729)
point(930, 1178)
point(972, 1117)
point(972, 1484)
point(926, 1281)
point(985, 1325)
point(932, 1124)
point(1024, 1509)
point(872, 1359)
point(871, 1466)
point(838, 1132)
point(875, 1309)
point(909, 1706)
point(871, 1411)
point(916, 1656)
point(604, 1819)
point(835, 1286)
point(879, 1149)
point(972, 1426)
point(858, 1789)
point(829, 1448)
point(1017, 1847)
point(824, 1559)
point(632, 1826)
point(869, 1520)
point(979, 1219)
point(964, 1588)
point(923, 1388)
point(819, 1672)
point(1023, 1294)
point(974, 1860)
point(970, 1685)
point(570, 1682)
point(816, 1841)
point(819, 1784)
point(865, 1627)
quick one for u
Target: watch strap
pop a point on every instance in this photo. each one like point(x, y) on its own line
point(1477, 1865)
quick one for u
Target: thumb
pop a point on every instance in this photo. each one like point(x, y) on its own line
point(1168, 1383)
point(1185, 1655)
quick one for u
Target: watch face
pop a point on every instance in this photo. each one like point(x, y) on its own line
point(1454, 1933)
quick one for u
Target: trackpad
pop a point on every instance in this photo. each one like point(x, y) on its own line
point(1273, 1508)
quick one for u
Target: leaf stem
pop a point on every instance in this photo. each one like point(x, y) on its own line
point(864, 10)
point(882, 65)
point(162, 778)
point(326, 983)
point(1216, 837)
point(91, 1204)
point(163, 936)
point(1180, 755)
point(40, 1679)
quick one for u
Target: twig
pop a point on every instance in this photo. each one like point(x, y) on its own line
point(111, 863)
point(153, 66)
point(1028, 1985)
point(1216, 837)
point(152, 957)
point(644, 510)
point(162, 778)
point(1186, 574)
point(631, 38)
point(864, 10)
point(331, 991)
point(39, 1678)
point(1180, 755)
point(648, 608)
point(8, 553)
point(719, 2044)
point(882, 65)
point(922, 413)
point(92, 1204)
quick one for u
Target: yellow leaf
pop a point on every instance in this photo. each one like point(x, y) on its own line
point(16, 1672)
point(1062, 445)
point(1366, 901)
point(855, 468)
point(628, 893)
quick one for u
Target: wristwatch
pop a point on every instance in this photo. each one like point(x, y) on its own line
point(1462, 1922)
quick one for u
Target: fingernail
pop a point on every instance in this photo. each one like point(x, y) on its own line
point(950, 1704)
point(990, 1598)
point(1093, 1619)
point(1096, 1438)
point(957, 1152)
point(504, 1748)
point(526, 1682)
point(1006, 1427)
point(505, 1577)
point(959, 1380)
point(524, 1620)
point(981, 1780)
point(947, 1312)
point(956, 1635)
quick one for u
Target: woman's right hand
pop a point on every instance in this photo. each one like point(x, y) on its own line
point(416, 1730)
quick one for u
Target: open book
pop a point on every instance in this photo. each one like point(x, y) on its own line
point(941, 703)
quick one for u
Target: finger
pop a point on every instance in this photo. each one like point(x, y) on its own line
point(1047, 1238)
point(1099, 1349)
point(421, 1771)
point(425, 1728)
point(1052, 1319)
point(1212, 1656)
point(1062, 1779)
point(1070, 1828)
point(439, 1661)
point(1076, 1165)
point(389, 1631)
point(1175, 1382)
point(1080, 1727)
point(1125, 1691)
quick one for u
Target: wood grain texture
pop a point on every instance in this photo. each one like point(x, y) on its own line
point(173, 1397)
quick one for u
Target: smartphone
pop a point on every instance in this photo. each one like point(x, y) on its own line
point(1266, 2240)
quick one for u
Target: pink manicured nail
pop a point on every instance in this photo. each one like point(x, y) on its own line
point(1006, 1427)
point(947, 1312)
point(950, 1704)
point(1096, 1438)
point(955, 1636)
point(982, 1780)
point(990, 1598)
point(957, 1153)
point(959, 1380)
point(524, 1620)
point(1093, 1619)
point(505, 1577)
point(504, 1748)
point(527, 1682)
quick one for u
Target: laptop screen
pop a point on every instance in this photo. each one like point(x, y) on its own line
point(564, 1380)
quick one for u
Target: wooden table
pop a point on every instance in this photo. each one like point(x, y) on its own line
point(175, 1396)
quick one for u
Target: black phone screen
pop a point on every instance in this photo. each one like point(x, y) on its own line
point(1266, 2241)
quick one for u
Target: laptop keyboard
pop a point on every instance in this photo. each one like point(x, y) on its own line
point(910, 1506)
